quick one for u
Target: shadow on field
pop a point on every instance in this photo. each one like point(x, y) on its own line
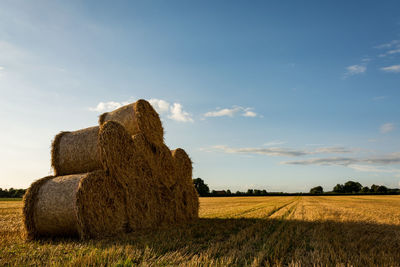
point(269, 241)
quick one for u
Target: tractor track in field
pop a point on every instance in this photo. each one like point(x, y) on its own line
point(269, 214)
point(258, 236)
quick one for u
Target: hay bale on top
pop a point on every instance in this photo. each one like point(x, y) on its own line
point(84, 205)
point(76, 152)
point(138, 117)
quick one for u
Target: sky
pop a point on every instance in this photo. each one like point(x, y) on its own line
point(275, 95)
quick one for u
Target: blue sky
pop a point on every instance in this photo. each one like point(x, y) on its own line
point(277, 95)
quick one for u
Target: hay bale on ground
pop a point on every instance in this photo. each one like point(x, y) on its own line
point(138, 117)
point(146, 171)
point(85, 205)
point(126, 160)
point(76, 152)
point(184, 194)
point(141, 184)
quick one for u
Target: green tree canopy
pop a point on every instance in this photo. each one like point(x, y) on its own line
point(317, 190)
point(201, 187)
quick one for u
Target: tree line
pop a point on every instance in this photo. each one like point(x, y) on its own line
point(203, 190)
point(349, 187)
point(12, 193)
point(352, 187)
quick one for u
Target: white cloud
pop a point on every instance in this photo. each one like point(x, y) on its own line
point(387, 127)
point(231, 112)
point(173, 112)
point(393, 68)
point(178, 114)
point(223, 112)
point(355, 69)
point(249, 113)
point(108, 106)
point(161, 106)
point(1, 68)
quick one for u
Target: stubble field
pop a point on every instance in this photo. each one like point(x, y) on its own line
point(283, 231)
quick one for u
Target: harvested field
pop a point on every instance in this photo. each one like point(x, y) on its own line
point(283, 231)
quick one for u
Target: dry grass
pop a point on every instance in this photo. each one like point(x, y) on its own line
point(288, 231)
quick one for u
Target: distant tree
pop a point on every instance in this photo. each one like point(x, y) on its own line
point(238, 193)
point(382, 189)
point(201, 187)
point(365, 189)
point(12, 193)
point(317, 190)
point(264, 192)
point(352, 187)
point(228, 192)
point(374, 188)
point(257, 192)
point(339, 188)
point(250, 192)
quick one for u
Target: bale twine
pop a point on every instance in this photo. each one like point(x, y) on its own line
point(138, 117)
point(76, 152)
point(85, 205)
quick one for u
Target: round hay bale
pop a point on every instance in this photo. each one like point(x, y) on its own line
point(183, 166)
point(127, 159)
point(85, 205)
point(76, 152)
point(186, 203)
point(185, 195)
point(138, 117)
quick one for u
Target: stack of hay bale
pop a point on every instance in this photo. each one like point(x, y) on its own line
point(113, 178)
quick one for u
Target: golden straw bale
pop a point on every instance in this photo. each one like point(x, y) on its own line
point(138, 117)
point(183, 166)
point(127, 160)
point(185, 195)
point(76, 152)
point(85, 205)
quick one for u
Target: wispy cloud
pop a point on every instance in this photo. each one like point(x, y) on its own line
point(387, 127)
point(376, 169)
point(275, 143)
point(172, 111)
point(278, 151)
point(389, 49)
point(378, 98)
point(390, 159)
point(231, 112)
point(355, 69)
point(388, 45)
point(393, 68)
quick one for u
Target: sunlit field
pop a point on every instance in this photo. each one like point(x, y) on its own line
point(294, 231)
